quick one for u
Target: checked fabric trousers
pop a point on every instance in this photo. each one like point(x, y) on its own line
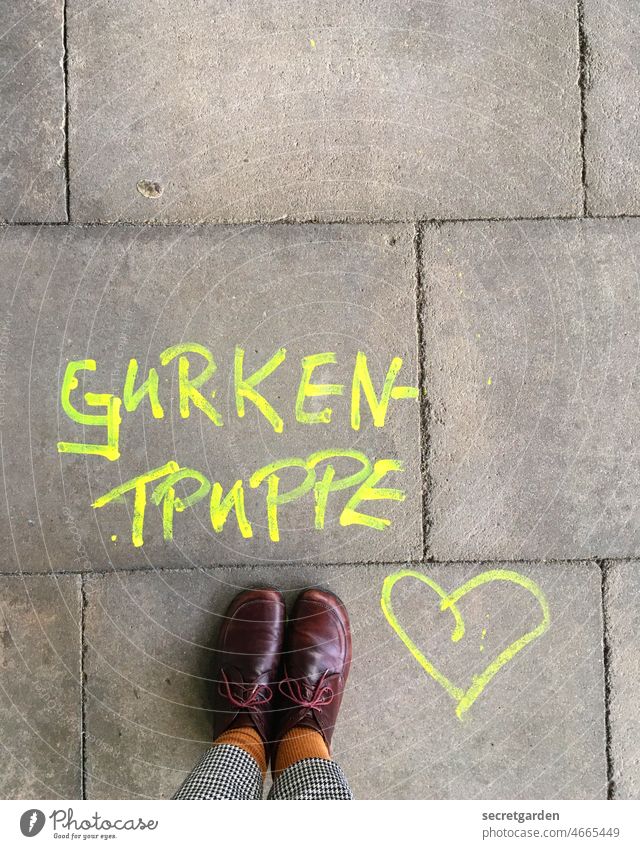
point(228, 772)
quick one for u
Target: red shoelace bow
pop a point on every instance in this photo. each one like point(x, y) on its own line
point(251, 697)
point(322, 693)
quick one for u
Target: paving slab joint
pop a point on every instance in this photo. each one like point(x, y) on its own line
point(337, 222)
point(584, 81)
point(606, 650)
point(65, 87)
point(83, 701)
point(430, 561)
point(425, 407)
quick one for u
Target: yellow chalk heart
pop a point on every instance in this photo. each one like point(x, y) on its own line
point(464, 698)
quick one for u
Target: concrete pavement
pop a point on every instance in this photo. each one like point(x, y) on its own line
point(428, 212)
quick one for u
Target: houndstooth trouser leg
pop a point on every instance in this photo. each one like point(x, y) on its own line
point(228, 772)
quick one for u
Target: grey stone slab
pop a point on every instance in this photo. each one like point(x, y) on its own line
point(32, 105)
point(536, 731)
point(40, 688)
point(612, 101)
point(257, 110)
point(531, 350)
point(111, 294)
point(622, 590)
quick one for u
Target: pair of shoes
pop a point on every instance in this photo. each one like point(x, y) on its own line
point(275, 682)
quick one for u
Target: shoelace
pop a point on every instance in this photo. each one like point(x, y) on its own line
point(322, 693)
point(250, 698)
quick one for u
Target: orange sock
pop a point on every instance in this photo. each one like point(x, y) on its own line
point(298, 744)
point(246, 738)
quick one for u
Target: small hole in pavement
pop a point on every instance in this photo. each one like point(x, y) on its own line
point(149, 188)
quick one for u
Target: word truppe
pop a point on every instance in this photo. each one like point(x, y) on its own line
point(195, 368)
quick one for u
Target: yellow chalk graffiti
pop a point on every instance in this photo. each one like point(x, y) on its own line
point(367, 491)
point(149, 391)
point(189, 387)
point(111, 419)
point(366, 479)
point(245, 389)
point(139, 486)
point(464, 698)
point(362, 383)
point(318, 390)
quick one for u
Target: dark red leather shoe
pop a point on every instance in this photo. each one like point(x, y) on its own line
point(316, 662)
point(247, 662)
